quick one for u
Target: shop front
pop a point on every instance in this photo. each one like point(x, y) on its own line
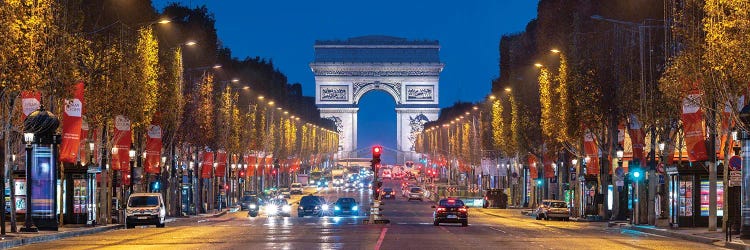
point(689, 195)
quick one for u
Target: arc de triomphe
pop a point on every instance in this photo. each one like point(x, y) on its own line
point(345, 70)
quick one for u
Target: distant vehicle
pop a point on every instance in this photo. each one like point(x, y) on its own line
point(549, 209)
point(303, 179)
point(252, 203)
point(322, 182)
point(452, 211)
point(386, 174)
point(312, 205)
point(285, 193)
point(278, 207)
point(415, 193)
point(314, 177)
point(345, 206)
point(145, 209)
point(338, 181)
point(296, 188)
point(388, 193)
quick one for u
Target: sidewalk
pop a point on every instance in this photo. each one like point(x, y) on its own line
point(700, 234)
point(20, 239)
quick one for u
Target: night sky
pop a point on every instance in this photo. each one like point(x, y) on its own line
point(284, 31)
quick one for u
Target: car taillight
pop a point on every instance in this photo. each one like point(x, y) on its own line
point(441, 209)
point(462, 209)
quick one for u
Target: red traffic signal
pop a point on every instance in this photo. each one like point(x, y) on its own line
point(376, 151)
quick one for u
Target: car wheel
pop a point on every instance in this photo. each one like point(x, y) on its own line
point(160, 225)
point(436, 223)
point(465, 224)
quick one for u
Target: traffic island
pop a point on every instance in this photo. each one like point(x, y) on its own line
point(20, 239)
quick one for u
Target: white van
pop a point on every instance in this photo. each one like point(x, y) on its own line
point(145, 209)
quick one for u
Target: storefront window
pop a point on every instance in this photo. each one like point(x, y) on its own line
point(705, 197)
point(686, 196)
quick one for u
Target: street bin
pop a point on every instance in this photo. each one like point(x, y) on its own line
point(495, 198)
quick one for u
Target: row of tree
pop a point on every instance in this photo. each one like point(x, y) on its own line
point(134, 65)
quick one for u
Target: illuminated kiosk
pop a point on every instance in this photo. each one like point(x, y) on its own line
point(409, 71)
point(42, 152)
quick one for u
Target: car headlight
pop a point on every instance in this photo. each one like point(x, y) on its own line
point(253, 206)
point(286, 208)
point(271, 209)
point(325, 207)
point(355, 208)
point(337, 208)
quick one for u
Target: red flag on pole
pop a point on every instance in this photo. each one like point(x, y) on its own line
point(207, 166)
point(71, 137)
point(30, 101)
point(221, 163)
point(695, 133)
point(533, 173)
point(153, 149)
point(592, 153)
point(637, 139)
point(122, 138)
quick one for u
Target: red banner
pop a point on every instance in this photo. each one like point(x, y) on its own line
point(533, 173)
point(122, 138)
point(30, 101)
point(71, 135)
point(221, 163)
point(592, 152)
point(252, 165)
point(269, 163)
point(695, 133)
point(549, 171)
point(207, 166)
point(153, 149)
point(637, 139)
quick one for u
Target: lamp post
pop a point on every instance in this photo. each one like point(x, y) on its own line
point(28, 226)
point(613, 201)
point(131, 176)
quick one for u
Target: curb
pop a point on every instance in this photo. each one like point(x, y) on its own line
point(57, 236)
point(694, 238)
point(219, 214)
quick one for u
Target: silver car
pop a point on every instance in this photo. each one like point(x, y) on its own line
point(416, 193)
point(552, 209)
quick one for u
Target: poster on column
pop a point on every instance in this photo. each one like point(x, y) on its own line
point(694, 132)
point(72, 122)
point(43, 183)
point(153, 149)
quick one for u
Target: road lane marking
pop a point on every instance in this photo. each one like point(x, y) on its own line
point(498, 229)
point(380, 240)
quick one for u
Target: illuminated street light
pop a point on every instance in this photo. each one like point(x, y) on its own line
point(507, 89)
point(538, 65)
point(190, 43)
point(555, 51)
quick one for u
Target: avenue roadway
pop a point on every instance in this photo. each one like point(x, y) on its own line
point(411, 228)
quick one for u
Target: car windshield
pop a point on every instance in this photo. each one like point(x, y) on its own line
point(310, 200)
point(387, 189)
point(416, 190)
point(280, 202)
point(249, 199)
point(296, 185)
point(451, 203)
point(345, 200)
point(143, 201)
point(558, 205)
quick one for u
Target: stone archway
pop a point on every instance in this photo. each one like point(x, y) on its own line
point(409, 71)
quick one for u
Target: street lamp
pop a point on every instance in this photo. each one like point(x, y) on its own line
point(131, 176)
point(28, 223)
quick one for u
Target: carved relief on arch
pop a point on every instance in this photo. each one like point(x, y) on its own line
point(360, 88)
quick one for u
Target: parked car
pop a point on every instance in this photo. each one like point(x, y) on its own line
point(550, 209)
point(345, 206)
point(145, 209)
point(450, 210)
point(296, 188)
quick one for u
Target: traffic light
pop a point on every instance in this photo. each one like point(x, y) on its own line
point(155, 186)
point(635, 170)
point(538, 182)
point(242, 174)
point(376, 152)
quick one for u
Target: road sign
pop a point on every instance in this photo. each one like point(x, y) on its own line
point(661, 179)
point(735, 163)
point(620, 183)
point(735, 178)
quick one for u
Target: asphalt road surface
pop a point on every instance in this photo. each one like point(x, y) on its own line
point(411, 228)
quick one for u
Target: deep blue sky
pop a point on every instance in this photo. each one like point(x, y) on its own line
point(469, 32)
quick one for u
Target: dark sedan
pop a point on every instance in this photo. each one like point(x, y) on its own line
point(452, 211)
point(345, 206)
point(312, 206)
